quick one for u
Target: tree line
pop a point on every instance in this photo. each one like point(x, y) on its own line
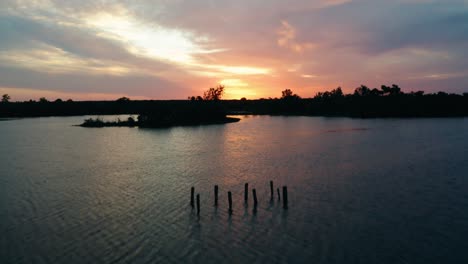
point(386, 101)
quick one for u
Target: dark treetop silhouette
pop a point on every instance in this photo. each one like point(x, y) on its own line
point(5, 98)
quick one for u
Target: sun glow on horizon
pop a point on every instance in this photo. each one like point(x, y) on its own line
point(171, 49)
point(237, 88)
point(182, 48)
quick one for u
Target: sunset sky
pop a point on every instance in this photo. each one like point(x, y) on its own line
point(171, 49)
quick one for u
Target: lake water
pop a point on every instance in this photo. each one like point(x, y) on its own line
point(360, 191)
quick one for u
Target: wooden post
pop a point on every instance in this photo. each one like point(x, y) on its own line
point(192, 196)
point(279, 196)
point(254, 192)
point(230, 202)
point(246, 192)
point(271, 191)
point(285, 197)
point(198, 204)
point(216, 194)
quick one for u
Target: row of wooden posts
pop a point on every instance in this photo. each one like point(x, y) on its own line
point(246, 197)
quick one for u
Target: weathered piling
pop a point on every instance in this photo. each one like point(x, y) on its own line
point(192, 196)
point(285, 197)
point(246, 192)
point(198, 204)
point(279, 196)
point(254, 192)
point(271, 191)
point(216, 195)
point(230, 202)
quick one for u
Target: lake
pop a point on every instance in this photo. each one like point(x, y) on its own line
point(360, 191)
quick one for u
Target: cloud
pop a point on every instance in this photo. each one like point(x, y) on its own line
point(147, 86)
point(308, 76)
point(172, 49)
point(335, 2)
point(150, 40)
point(25, 34)
point(287, 38)
point(53, 60)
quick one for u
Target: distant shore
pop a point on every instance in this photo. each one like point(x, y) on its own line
point(341, 107)
point(363, 103)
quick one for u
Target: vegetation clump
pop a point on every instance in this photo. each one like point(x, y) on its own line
point(6, 98)
point(99, 122)
point(212, 94)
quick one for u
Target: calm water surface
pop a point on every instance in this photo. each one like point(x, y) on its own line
point(360, 191)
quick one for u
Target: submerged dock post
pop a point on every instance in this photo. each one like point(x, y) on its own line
point(192, 198)
point(230, 202)
point(271, 191)
point(285, 197)
point(254, 192)
point(216, 195)
point(198, 204)
point(246, 192)
point(279, 196)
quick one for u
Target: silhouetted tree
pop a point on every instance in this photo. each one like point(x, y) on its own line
point(58, 100)
point(123, 99)
point(5, 98)
point(288, 94)
point(375, 92)
point(43, 100)
point(328, 95)
point(393, 90)
point(214, 94)
point(362, 91)
point(195, 98)
point(418, 93)
point(318, 95)
point(385, 89)
point(131, 121)
point(336, 93)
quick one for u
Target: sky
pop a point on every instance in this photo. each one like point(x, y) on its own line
point(172, 49)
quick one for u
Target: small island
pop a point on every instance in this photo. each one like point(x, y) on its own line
point(202, 112)
point(158, 121)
